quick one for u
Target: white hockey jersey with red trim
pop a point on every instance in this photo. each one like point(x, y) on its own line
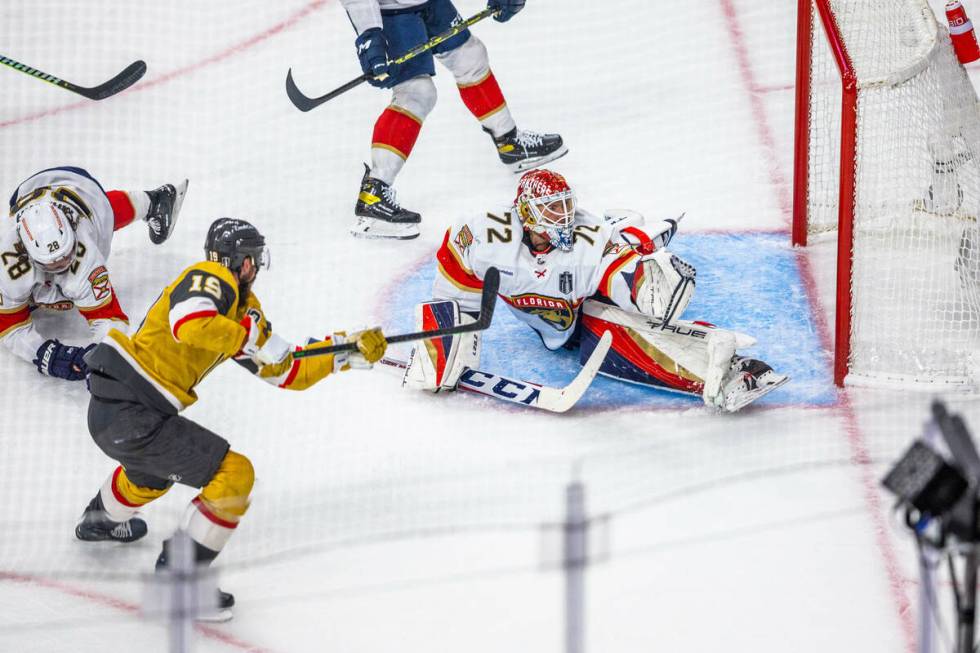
point(85, 285)
point(543, 290)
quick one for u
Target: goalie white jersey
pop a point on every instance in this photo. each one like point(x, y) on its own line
point(543, 289)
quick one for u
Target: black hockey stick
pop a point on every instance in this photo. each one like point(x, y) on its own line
point(304, 103)
point(119, 83)
point(491, 281)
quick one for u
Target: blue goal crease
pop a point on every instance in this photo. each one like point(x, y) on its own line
point(745, 282)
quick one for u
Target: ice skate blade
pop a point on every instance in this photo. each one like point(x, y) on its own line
point(178, 202)
point(218, 616)
point(537, 161)
point(379, 229)
point(737, 401)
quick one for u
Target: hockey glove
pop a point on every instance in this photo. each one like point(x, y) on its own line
point(371, 345)
point(506, 9)
point(62, 361)
point(372, 51)
point(272, 350)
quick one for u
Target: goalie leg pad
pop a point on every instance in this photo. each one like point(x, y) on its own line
point(637, 358)
point(436, 364)
point(690, 357)
point(663, 285)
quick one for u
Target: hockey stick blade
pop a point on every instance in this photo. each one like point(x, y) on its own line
point(488, 300)
point(117, 84)
point(528, 393)
point(304, 103)
point(555, 400)
point(132, 74)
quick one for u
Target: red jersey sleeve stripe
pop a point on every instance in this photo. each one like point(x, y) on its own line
point(189, 317)
point(605, 286)
point(109, 310)
point(13, 319)
point(293, 371)
point(452, 267)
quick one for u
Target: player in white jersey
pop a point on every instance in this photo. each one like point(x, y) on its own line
point(571, 275)
point(387, 29)
point(54, 247)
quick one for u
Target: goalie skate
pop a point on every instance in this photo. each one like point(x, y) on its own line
point(748, 379)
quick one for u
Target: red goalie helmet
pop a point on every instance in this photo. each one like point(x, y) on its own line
point(546, 204)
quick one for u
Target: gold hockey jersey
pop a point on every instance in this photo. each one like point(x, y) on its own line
point(194, 326)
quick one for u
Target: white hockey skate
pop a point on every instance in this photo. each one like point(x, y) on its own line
point(747, 380)
point(365, 227)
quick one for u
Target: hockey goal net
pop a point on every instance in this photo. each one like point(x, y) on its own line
point(887, 133)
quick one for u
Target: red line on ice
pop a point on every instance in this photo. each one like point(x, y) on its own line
point(123, 606)
point(238, 48)
point(856, 440)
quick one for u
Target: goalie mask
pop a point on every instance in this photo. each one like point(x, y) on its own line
point(546, 204)
point(48, 235)
point(230, 241)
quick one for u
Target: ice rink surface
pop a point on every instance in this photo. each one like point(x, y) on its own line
point(387, 520)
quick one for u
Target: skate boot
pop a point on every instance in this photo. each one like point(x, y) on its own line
point(221, 611)
point(379, 214)
point(520, 150)
point(747, 380)
point(164, 206)
point(95, 525)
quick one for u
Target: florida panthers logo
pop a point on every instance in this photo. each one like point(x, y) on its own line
point(559, 313)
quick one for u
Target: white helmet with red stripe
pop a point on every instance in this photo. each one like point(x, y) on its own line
point(546, 204)
point(47, 234)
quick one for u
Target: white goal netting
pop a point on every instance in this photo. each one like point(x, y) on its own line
point(913, 298)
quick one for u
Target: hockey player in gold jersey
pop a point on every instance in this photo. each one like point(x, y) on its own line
point(140, 382)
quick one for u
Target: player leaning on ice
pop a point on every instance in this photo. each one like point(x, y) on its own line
point(570, 276)
point(387, 29)
point(53, 248)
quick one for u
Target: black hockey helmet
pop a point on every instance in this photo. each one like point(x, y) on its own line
point(231, 240)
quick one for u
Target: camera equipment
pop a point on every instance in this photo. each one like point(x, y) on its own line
point(940, 494)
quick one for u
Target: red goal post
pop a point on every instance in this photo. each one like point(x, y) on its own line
point(885, 134)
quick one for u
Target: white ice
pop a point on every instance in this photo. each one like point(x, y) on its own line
point(386, 520)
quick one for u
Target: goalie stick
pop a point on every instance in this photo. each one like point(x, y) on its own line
point(528, 393)
point(491, 281)
point(132, 74)
point(304, 103)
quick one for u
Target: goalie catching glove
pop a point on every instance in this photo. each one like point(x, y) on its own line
point(663, 285)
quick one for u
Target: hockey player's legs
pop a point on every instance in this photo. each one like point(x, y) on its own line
point(478, 88)
point(690, 357)
point(150, 444)
point(405, 30)
point(214, 513)
point(398, 127)
point(469, 63)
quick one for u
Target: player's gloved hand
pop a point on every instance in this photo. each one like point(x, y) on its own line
point(62, 361)
point(371, 345)
point(507, 9)
point(372, 51)
point(272, 350)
